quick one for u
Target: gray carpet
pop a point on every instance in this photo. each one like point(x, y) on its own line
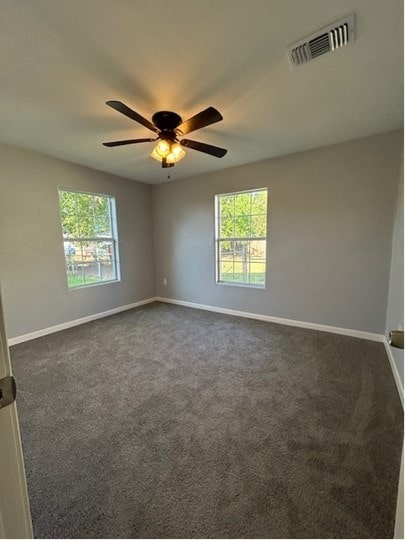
point(172, 422)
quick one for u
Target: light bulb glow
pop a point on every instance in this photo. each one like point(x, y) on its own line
point(173, 152)
point(162, 148)
point(176, 150)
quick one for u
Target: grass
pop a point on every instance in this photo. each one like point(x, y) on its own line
point(232, 272)
point(75, 280)
point(252, 278)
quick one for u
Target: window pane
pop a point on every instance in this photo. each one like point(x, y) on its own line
point(98, 262)
point(71, 249)
point(225, 250)
point(85, 210)
point(73, 253)
point(259, 202)
point(257, 272)
point(76, 280)
point(243, 204)
point(105, 257)
point(226, 206)
point(92, 272)
point(108, 271)
point(85, 203)
point(68, 211)
point(102, 218)
point(259, 226)
point(74, 263)
point(82, 260)
point(227, 228)
point(104, 251)
point(226, 271)
point(242, 226)
point(241, 270)
point(258, 250)
point(242, 250)
point(102, 226)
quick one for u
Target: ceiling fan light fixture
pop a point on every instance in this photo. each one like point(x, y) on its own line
point(178, 152)
point(162, 148)
point(172, 153)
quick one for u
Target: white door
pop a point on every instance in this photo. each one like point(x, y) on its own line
point(15, 519)
point(399, 521)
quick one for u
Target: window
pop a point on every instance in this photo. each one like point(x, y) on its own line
point(241, 234)
point(89, 237)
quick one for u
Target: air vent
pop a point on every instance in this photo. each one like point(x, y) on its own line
point(327, 39)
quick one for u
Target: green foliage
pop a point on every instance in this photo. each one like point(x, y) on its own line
point(243, 215)
point(84, 215)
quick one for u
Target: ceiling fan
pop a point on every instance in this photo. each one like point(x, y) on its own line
point(169, 128)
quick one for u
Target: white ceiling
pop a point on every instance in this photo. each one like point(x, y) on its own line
point(61, 60)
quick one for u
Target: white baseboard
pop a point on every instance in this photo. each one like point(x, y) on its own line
point(278, 320)
point(76, 322)
point(395, 372)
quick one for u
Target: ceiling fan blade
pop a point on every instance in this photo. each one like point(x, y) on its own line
point(123, 109)
point(206, 148)
point(129, 141)
point(200, 120)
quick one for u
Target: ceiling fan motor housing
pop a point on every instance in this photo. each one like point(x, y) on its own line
point(167, 122)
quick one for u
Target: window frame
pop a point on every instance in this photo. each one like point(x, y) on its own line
point(112, 239)
point(218, 240)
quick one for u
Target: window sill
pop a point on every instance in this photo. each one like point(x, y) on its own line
point(87, 286)
point(246, 285)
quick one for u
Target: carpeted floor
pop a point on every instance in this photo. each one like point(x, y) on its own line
point(172, 422)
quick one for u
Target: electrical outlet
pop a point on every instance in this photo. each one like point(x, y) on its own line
point(164, 281)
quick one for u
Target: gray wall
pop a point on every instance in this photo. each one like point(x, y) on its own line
point(395, 311)
point(331, 217)
point(32, 266)
point(329, 234)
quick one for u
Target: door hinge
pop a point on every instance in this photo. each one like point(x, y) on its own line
point(8, 391)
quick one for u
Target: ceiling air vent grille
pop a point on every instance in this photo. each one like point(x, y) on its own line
point(327, 39)
point(319, 45)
